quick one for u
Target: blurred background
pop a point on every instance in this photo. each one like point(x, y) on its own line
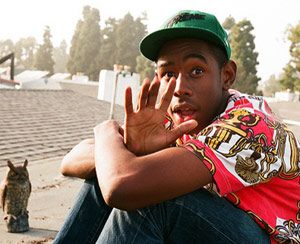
point(82, 37)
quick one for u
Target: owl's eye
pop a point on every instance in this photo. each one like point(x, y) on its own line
point(13, 173)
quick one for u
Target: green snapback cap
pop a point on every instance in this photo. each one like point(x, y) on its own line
point(185, 24)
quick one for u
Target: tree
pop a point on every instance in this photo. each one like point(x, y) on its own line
point(72, 64)
point(25, 49)
point(243, 52)
point(228, 24)
point(129, 33)
point(6, 47)
point(108, 44)
point(90, 43)
point(144, 67)
point(43, 59)
point(271, 86)
point(93, 49)
point(60, 57)
point(120, 43)
point(85, 46)
point(291, 77)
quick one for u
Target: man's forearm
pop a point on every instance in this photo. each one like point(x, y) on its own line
point(79, 162)
point(113, 161)
point(129, 182)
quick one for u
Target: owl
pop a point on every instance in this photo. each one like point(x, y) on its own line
point(15, 191)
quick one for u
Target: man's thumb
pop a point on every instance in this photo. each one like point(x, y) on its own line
point(183, 128)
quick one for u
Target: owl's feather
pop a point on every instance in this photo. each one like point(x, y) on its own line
point(3, 193)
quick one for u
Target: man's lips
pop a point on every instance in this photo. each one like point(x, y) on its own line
point(184, 112)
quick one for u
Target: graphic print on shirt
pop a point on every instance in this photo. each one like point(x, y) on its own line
point(241, 130)
point(288, 229)
point(289, 170)
point(298, 214)
point(249, 146)
point(202, 156)
point(270, 230)
point(289, 232)
point(233, 198)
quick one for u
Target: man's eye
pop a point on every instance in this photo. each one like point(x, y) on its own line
point(197, 71)
point(169, 74)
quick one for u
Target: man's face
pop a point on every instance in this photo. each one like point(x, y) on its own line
point(199, 91)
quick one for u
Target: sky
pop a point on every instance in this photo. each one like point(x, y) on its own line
point(270, 19)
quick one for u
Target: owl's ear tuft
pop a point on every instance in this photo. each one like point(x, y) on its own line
point(25, 163)
point(10, 164)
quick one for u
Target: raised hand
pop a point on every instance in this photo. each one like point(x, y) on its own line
point(145, 131)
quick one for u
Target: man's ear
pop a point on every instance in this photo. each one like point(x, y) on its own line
point(228, 74)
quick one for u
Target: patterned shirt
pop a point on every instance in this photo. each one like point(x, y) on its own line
point(254, 160)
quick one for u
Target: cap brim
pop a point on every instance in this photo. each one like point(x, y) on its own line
point(152, 43)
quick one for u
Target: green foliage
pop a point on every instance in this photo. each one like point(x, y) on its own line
point(228, 24)
point(43, 59)
point(72, 64)
point(145, 68)
point(24, 52)
point(85, 45)
point(90, 43)
point(129, 33)
point(291, 77)
point(60, 57)
point(93, 49)
point(120, 43)
point(6, 47)
point(108, 44)
point(243, 52)
point(272, 85)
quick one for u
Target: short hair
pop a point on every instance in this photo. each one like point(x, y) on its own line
point(219, 54)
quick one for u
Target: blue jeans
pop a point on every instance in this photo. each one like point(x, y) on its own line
point(198, 217)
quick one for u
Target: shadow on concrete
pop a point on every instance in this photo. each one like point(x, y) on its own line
point(33, 236)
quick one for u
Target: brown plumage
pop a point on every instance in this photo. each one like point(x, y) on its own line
point(15, 191)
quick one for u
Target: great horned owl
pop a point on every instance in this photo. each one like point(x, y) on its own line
point(15, 190)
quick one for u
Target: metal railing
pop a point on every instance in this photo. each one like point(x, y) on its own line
point(12, 64)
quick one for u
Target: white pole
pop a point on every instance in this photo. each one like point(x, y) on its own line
point(113, 100)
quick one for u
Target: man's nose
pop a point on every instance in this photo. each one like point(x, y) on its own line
point(183, 87)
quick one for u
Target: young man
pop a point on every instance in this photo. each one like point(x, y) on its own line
point(233, 176)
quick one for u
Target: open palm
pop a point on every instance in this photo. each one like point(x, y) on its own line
point(145, 131)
